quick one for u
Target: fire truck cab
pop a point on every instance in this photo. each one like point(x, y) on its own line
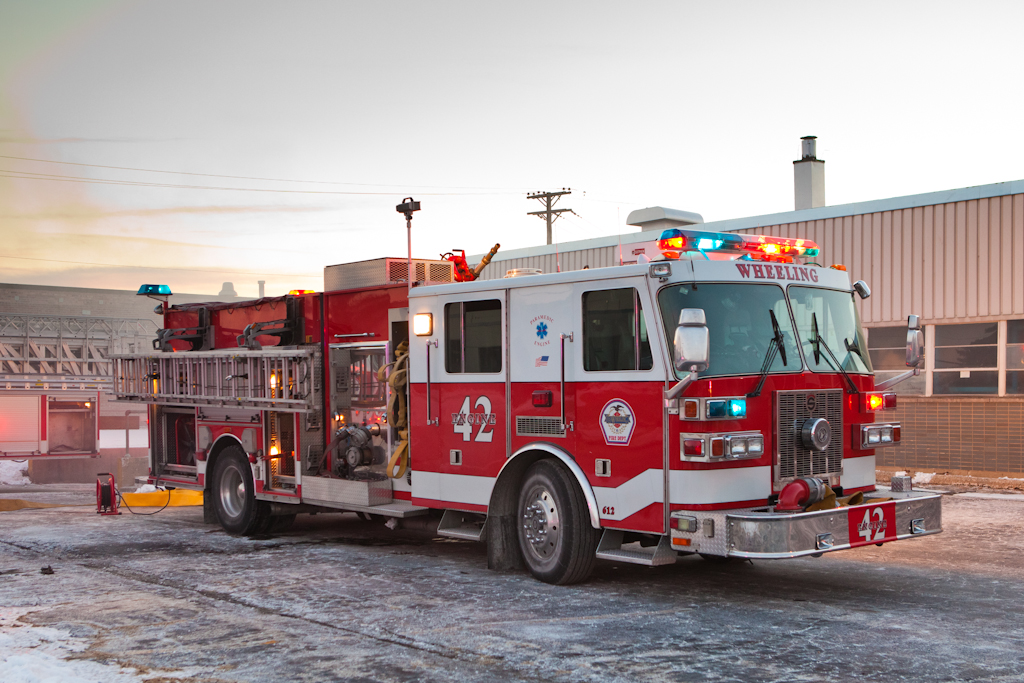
point(719, 401)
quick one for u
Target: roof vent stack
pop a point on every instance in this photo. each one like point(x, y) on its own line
point(809, 176)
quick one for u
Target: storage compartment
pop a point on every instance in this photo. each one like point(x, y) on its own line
point(174, 441)
point(71, 427)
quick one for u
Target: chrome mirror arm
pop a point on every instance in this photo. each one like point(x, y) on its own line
point(681, 385)
point(893, 381)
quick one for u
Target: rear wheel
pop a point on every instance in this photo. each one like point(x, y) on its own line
point(234, 495)
point(556, 540)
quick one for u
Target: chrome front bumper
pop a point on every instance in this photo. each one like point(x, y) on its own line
point(764, 534)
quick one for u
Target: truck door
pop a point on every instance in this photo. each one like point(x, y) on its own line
point(458, 417)
point(617, 381)
point(543, 323)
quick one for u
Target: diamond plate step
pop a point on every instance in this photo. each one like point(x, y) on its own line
point(611, 548)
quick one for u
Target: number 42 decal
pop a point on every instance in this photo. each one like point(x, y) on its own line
point(464, 420)
point(872, 527)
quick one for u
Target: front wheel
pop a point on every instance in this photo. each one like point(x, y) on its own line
point(556, 539)
point(234, 496)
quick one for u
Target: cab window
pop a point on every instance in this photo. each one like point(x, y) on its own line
point(615, 332)
point(472, 336)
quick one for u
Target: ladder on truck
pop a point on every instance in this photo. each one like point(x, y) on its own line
point(269, 379)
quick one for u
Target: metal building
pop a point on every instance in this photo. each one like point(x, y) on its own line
point(954, 257)
point(55, 375)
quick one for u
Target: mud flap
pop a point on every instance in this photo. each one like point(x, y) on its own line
point(209, 515)
point(503, 544)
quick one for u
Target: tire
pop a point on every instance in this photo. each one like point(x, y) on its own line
point(556, 540)
point(234, 498)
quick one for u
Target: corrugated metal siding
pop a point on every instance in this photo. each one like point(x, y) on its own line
point(602, 257)
point(955, 262)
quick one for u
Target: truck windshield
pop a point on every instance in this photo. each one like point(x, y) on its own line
point(739, 324)
point(838, 325)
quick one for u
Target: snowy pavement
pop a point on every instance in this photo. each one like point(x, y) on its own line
point(166, 598)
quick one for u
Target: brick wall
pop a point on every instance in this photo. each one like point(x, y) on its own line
point(967, 434)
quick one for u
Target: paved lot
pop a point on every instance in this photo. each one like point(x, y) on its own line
point(166, 598)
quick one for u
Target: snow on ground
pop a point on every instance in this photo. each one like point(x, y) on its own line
point(13, 473)
point(923, 477)
point(31, 654)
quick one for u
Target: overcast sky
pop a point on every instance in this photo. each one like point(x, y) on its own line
point(467, 106)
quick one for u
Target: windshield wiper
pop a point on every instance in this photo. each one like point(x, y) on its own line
point(776, 345)
point(817, 343)
point(853, 347)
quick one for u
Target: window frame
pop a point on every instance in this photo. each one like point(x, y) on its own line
point(638, 314)
point(461, 303)
point(929, 370)
point(1000, 351)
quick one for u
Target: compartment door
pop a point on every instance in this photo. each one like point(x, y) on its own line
point(19, 424)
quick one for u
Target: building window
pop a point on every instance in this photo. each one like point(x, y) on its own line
point(1015, 356)
point(472, 336)
point(887, 347)
point(615, 332)
point(966, 359)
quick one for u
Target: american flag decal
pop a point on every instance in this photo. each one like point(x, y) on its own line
point(543, 360)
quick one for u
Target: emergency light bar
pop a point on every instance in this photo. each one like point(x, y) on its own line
point(674, 242)
point(154, 290)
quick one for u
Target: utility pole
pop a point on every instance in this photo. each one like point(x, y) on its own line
point(549, 199)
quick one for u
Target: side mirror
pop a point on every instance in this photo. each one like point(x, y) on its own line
point(862, 289)
point(915, 342)
point(692, 343)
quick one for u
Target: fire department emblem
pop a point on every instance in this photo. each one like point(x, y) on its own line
point(617, 422)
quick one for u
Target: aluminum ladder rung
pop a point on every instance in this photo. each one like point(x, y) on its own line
point(267, 379)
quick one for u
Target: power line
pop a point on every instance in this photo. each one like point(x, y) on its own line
point(191, 270)
point(28, 175)
point(242, 177)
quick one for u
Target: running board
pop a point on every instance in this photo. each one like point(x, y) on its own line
point(464, 525)
point(611, 548)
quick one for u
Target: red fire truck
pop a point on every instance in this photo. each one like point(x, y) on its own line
point(717, 400)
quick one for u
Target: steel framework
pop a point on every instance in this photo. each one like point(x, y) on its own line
point(64, 351)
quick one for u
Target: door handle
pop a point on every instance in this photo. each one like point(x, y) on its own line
point(430, 420)
point(561, 382)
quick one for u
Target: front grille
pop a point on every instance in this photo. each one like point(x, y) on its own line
point(793, 409)
point(539, 426)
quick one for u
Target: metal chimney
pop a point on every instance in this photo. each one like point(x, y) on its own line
point(809, 176)
point(261, 283)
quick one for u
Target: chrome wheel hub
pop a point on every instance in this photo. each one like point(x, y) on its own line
point(232, 492)
point(540, 523)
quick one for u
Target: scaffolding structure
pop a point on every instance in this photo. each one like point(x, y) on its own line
point(39, 352)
